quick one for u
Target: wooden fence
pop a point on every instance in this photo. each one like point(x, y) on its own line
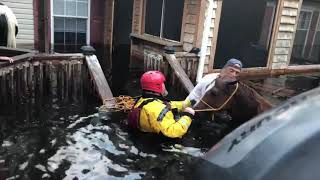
point(39, 76)
point(64, 75)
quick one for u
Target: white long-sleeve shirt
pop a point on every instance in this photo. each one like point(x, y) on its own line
point(207, 82)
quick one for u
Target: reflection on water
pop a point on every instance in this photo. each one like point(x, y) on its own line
point(91, 145)
point(54, 139)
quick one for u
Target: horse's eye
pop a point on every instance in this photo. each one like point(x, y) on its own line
point(214, 91)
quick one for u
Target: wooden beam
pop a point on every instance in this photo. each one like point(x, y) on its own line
point(41, 27)
point(108, 32)
point(60, 57)
point(99, 79)
point(179, 72)
point(17, 59)
point(264, 71)
point(154, 40)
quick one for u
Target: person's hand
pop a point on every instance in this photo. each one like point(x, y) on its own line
point(5, 58)
point(189, 110)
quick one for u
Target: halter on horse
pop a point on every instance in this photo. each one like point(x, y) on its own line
point(241, 101)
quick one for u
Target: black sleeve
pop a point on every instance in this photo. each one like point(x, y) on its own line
point(17, 29)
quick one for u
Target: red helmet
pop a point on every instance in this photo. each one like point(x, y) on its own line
point(152, 81)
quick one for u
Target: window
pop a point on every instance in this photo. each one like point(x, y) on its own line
point(301, 33)
point(70, 25)
point(316, 44)
point(306, 46)
point(163, 18)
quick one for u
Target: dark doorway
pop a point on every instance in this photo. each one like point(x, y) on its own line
point(245, 32)
point(121, 45)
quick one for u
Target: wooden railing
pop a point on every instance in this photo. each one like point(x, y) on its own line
point(187, 62)
point(39, 75)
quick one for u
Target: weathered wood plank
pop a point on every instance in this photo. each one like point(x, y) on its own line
point(76, 56)
point(100, 81)
point(154, 40)
point(179, 72)
point(17, 59)
point(291, 4)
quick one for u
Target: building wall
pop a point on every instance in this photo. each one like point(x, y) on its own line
point(191, 34)
point(195, 12)
point(191, 22)
point(137, 16)
point(23, 9)
point(97, 20)
point(211, 38)
point(284, 35)
point(108, 30)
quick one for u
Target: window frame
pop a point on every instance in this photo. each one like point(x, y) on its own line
point(68, 16)
point(308, 29)
point(317, 30)
point(162, 23)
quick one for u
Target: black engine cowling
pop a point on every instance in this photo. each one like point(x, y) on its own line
point(283, 144)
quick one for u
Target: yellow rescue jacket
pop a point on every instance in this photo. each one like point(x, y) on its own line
point(157, 116)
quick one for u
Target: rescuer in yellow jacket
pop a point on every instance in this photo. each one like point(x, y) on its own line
point(153, 113)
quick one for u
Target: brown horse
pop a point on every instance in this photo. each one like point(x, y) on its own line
point(239, 100)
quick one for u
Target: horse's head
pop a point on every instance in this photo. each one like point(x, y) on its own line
point(241, 101)
point(219, 96)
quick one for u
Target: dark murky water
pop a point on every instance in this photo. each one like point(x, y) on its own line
point(53, 139)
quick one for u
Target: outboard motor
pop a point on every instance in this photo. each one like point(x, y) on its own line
point(281, 144)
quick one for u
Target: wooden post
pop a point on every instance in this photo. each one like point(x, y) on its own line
point(177, 69)
point(97, 74)
point(42, 29)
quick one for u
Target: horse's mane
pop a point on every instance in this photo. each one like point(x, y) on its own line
point(254, 93)
point(12, 24)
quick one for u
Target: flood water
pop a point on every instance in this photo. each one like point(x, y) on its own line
point(53, 138)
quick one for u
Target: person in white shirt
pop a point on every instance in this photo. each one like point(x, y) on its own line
point(230, 70)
